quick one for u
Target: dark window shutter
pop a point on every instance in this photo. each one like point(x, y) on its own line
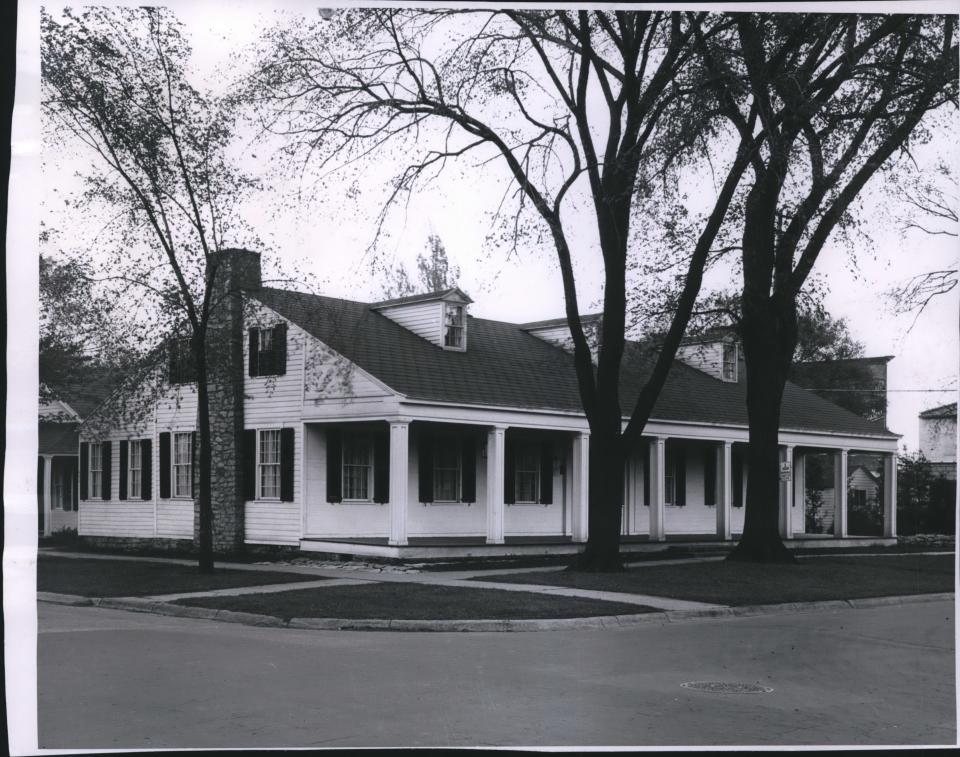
point(709, 475)
point(737, 478)
point(84, 468)
point(280, 349)
point(468, 475)
point(546, 474)
point(164, 462)
point(254, 340)
point(381, 466)
point(334, 464)
point(680, 473)
point(107, 463)
point(193, 464)
point(146, 466)
point(249, 453)
point(286, 464)
point(509, 473)
point(123, 469)
point(425, 457)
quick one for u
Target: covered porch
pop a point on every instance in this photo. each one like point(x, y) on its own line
point(422, 488)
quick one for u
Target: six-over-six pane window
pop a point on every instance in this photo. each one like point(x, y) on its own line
point(96, 470)
point(135, 468)
point(182, 465)
point(357, 467)
point(528, 473)
point(270, 464)
point(446, 472)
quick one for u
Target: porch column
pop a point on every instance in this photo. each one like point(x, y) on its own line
point(657, 488)
point(725, 489)
point(786, 494)
point(840, 493)
point(580, 513)
point(799, 516)
point(496, 443)
point(399, 480)
point(890, 494)
point(47, 493)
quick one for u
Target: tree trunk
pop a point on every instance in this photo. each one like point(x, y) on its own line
point(602, 551)
point(204, 459)
point(769, 336)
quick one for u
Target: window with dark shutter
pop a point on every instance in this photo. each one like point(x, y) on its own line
point(680, 460)
point(286, 464)
point(146, 487)
point(249, 456)
point(546, 474)
point(105, 449)
point(183, 365)
point(334, 465)
point(381, 466)
point(468, 455)
point(509, 472)
point(84, 468)
point(123, 469)
point(164, 462)
point(425, 467)
point(268, 350)
point(709, 475)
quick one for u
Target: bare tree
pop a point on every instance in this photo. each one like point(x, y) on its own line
point(115, 86)
point(825, 101)
point(586, 113)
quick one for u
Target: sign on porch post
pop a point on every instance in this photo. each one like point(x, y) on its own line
point(786, 471)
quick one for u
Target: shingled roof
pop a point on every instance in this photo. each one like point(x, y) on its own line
point(505, 366)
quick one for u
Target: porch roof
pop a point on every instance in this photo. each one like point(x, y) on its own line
point(505, 366)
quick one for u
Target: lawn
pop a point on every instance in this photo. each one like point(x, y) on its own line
point(132, 578)
point(408, 601)
point(730, 583)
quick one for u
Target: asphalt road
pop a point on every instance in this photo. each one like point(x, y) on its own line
point(110, 679)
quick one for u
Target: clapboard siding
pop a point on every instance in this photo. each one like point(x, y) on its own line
point(422, 318)
point(127, 518)
point(175, 518)
point(62, 519)
point(707, 357)
point(272, 522)
point(328, 375)
point(273, 400)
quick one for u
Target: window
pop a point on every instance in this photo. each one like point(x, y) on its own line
point(183, 367)
point(268, 356)
point(135, 470)
point(357, 467)
point(269, 464)
point(183, 465)
point(446, 472)
point(453, 326)
point(527, 474)
point(96, 470)
point(729, 362)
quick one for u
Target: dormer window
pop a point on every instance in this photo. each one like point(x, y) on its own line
point(453, 327)
point(730, 362)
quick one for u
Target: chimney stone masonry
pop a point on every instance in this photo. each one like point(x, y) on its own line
point(236, 271)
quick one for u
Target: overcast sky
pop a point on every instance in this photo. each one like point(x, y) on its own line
point(329, 237)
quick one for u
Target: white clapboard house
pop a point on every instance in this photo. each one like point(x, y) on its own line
point(411, 428)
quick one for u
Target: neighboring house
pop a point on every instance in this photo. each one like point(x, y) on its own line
point(409, 427)
point(58, 454)
point(938, 439)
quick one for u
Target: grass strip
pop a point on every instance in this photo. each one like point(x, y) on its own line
point(737, 584)
point(408, 601)
point(132, 578)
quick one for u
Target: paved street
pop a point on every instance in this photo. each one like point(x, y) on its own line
point(111, 679)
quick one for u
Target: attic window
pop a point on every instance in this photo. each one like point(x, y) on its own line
point(453, 327)
point(729, 362)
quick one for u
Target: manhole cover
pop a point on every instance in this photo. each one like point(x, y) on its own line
point(727, 687)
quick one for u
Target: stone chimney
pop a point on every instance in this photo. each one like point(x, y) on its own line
point(237, 270)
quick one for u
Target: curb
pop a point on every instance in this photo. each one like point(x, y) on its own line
point(137, 604)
